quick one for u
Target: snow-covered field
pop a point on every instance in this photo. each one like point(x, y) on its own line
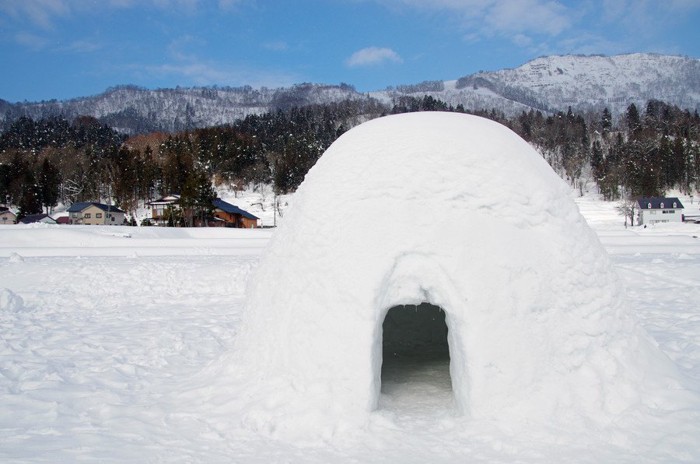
point(104, 333)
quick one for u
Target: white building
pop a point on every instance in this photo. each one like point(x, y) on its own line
point(656, 210)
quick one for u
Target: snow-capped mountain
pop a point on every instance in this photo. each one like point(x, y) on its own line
point(595, 82)
point(548, 84)
point(132, 109)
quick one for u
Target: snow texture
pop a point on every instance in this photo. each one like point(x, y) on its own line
point(105, 361)
point(459, 212)
point(10, 301)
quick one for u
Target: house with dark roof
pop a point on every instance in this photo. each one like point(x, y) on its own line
point(233, 216)
point(93, 213)
point(655, 210)
point(37, 218)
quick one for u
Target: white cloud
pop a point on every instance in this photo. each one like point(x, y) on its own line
point(31, 41)
point(486, 18)
point(82, 46)
point(372, 56)
point(39, 12)
point(522, 16)
point(43, 13)
point(37, 43)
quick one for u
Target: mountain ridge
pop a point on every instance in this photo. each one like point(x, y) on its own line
point(548, 84)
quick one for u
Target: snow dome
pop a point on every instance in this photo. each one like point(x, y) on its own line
point(457, 215)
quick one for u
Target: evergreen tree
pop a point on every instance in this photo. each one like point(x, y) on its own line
point(197, 197)
point(29, 202)
point(634, 124)
point(48, 183)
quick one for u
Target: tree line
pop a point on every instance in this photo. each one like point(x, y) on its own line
point(42, 163)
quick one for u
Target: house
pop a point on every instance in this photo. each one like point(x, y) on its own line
point(654, 210)
point(7, 216)
point(92, 213)
point(37, 218)
point(233, 216)
point(162, 208)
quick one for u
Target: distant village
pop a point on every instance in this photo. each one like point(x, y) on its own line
point(166, 211)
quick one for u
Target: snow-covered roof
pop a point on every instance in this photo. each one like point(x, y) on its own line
point(166, 200)
point(660, 203)
point(466, 216)
point(41, 217)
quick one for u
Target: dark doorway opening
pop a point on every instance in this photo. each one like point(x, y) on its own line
point(416, 359)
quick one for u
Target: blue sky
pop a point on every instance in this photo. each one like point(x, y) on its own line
point(70, 48)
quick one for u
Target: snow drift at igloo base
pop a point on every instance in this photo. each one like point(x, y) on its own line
point(458, 212)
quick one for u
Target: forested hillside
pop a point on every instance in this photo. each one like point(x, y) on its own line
point(548, 84)
point(646, 151)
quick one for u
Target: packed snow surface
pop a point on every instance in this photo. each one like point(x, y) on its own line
point(99, 347)
point(112, 338)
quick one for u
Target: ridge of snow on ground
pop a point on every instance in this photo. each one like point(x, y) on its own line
point(96, 342)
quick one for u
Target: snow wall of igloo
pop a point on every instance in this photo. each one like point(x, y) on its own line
point(459, 212)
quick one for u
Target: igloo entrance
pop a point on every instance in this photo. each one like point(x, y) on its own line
point(415, 372)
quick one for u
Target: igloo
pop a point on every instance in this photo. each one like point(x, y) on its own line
point(455, 212)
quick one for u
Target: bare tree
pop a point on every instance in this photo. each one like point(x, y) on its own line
point(626, 208)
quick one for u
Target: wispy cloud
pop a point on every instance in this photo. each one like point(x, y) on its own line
point(39, 43)
point(486, 18)
point(39, 12)
point(372, 56)
point(527, 16)
point(82, 46)
point(44, 13)
point(553, 26)
point(31, 41)
point(181, 47)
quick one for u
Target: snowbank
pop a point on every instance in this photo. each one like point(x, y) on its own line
point(459, 212)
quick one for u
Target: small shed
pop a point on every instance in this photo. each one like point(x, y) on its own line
point(655, 210)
